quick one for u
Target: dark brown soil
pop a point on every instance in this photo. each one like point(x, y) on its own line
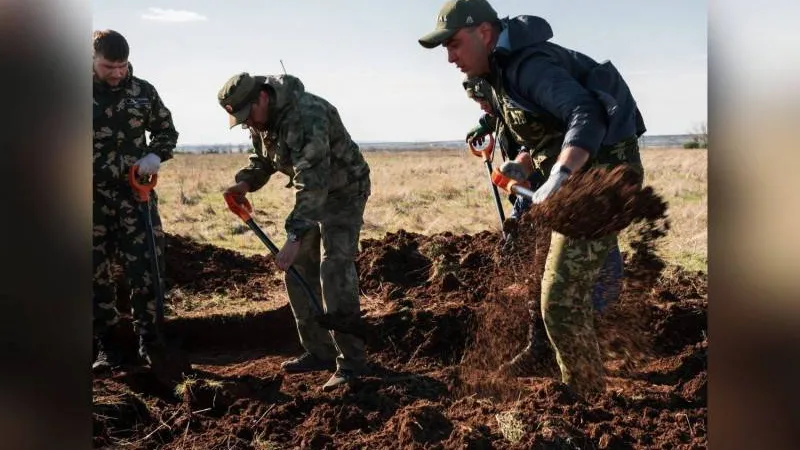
point(205, 269)
point(442, 312)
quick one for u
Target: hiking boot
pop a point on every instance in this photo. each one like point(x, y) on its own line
point(307, 363)
point(340, 378)
point(513, 170)
point(107, 356)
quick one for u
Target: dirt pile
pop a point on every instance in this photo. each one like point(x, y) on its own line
point(443, 312)
point(205, 269)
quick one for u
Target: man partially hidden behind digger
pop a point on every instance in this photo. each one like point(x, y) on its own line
point(301, 135)
point(124, 109)
point(540, 88)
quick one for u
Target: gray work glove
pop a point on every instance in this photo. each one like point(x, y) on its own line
point(558, 174)
point(149, 165)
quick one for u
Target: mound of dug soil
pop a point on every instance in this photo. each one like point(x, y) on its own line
point(205, 269)
point(443, 312)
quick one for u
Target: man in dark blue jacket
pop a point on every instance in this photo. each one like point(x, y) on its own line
point(540, 87)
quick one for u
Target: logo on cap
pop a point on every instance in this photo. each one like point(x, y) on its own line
point(469, 20)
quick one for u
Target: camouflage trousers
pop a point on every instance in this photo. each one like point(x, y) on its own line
point(332, 276)
point(119, 234)
point(571, 270)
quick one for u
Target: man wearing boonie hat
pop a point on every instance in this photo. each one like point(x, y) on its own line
point(301, 135)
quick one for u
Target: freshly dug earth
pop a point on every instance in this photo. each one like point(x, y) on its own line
point(443, 312)
point(613, 197)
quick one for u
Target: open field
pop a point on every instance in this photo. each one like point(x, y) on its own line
point(423, 192)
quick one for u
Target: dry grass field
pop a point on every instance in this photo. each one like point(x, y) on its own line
point(425, 192)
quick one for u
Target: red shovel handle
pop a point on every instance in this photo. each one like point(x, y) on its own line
point(502, 181)
point(485, 152)
point(242, 210)
point(141, 190)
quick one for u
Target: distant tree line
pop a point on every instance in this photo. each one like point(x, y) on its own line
point(699, 137)
point(216, 149)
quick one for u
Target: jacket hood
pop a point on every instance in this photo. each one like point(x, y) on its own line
point(520, 32)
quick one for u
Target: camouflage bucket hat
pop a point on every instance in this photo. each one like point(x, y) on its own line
point(455, 15)
point(238, 94)
point(477, 88)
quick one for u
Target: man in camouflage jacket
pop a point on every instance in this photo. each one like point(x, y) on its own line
point(301, 135)
point(124, 108)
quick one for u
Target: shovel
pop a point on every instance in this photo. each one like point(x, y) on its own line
point(328, 321)
point(487, 153)
point(498, 179)
point(167, 361)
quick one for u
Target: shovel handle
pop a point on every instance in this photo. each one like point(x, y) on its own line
point(511, 186)
point(242, 210)
point(485, 152)
point(141, 190)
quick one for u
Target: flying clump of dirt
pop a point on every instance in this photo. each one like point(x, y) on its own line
point(600, 202)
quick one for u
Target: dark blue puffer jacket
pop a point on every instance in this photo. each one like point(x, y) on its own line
point(589, 100)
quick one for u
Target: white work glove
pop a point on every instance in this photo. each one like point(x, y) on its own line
point(149, 164)
point(558, 174)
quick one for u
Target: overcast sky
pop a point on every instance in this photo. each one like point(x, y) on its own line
point(363, 56)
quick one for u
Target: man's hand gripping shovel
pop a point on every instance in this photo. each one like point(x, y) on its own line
point(509, 185)
point(167, 361)
point(327, 321)
point(487, 153)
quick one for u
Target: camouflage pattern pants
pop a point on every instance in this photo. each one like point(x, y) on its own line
point(119, 234)
point(572, 268)
point(332, 274)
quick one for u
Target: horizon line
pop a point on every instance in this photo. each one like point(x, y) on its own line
point(403, 142)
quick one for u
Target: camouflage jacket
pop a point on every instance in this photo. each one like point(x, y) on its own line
point(121, 115)
point(507, 143)
point(305, 140)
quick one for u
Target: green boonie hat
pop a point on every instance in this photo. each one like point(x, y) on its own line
point(238, 94)
point(477, 88)
point(455, 15)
